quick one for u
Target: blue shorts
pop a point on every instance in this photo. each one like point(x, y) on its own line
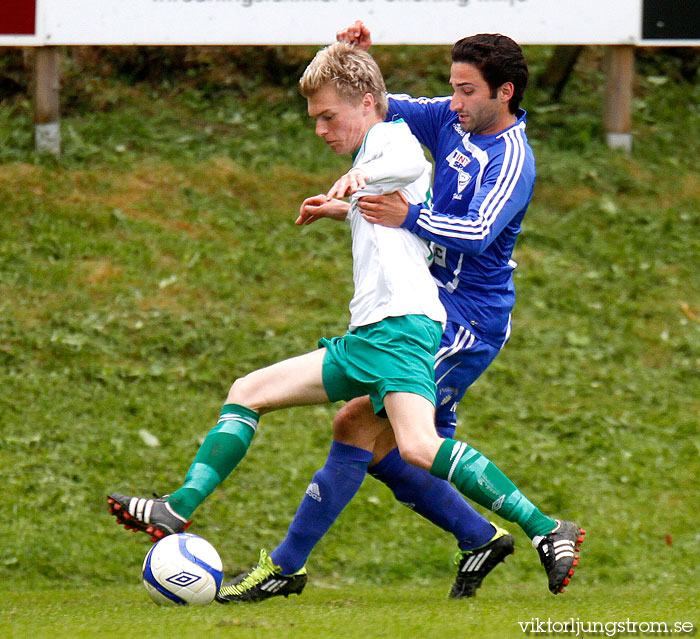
point(460, 360)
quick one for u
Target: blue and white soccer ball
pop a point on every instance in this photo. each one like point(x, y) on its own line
point(182, 569)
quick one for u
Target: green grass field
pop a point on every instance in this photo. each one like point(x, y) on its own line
point(375, 612)
point(157, 260)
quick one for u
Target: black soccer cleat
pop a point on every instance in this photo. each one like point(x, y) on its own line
point(557, 551)
point(262, 581)
point(155, 517)
point(474, 565)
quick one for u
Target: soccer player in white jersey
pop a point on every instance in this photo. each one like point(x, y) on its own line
point(484, 177)
point(396, 320)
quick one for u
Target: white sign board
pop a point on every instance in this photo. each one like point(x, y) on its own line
point(220, 22)
point(316, 21)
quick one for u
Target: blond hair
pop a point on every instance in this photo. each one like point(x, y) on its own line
point(352, 71)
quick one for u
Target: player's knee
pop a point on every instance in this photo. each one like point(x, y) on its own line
point(414, 453)
point(348, 422)
point(243, 393)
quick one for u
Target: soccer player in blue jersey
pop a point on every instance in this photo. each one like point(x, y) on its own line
point(484, 178)
point(470, 341)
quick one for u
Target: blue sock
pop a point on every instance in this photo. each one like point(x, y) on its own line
point(329, 492)
point(435, 499)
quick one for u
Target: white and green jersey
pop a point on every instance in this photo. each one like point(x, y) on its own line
point(390, 265)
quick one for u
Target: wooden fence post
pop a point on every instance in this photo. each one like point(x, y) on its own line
point(47, 127)
point(618, 97)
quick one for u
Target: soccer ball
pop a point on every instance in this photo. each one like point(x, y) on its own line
point(182, 569)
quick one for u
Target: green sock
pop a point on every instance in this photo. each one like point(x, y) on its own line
point(221, 451)
point(476, 477)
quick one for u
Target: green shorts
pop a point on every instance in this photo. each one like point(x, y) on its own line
point(395, 354)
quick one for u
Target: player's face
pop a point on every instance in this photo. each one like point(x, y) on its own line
point(341, 123)
point(478, 112)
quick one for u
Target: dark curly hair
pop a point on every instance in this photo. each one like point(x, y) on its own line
point(499, 59)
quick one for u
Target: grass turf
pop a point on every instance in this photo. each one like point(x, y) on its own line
point(356, 611)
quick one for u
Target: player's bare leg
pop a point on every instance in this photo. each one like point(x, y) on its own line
point(292, 382)
point(297, 381)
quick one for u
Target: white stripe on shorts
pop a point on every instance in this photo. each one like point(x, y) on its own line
point(464, 340)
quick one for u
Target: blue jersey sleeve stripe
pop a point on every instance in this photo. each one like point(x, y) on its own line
point(514, 169)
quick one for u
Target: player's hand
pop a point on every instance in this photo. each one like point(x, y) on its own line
point(353, 180)
point(318, 206)
point(357, 34)
point(386, 210)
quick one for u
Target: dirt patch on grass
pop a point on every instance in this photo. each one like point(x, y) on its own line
point(100, 270)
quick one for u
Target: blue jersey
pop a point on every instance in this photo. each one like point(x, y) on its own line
point(482, 187)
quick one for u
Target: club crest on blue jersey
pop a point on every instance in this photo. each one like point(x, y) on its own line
point(458, 161)
point(463, 179)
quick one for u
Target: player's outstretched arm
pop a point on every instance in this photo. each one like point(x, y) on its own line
point(318, 206)
point(357, 34)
